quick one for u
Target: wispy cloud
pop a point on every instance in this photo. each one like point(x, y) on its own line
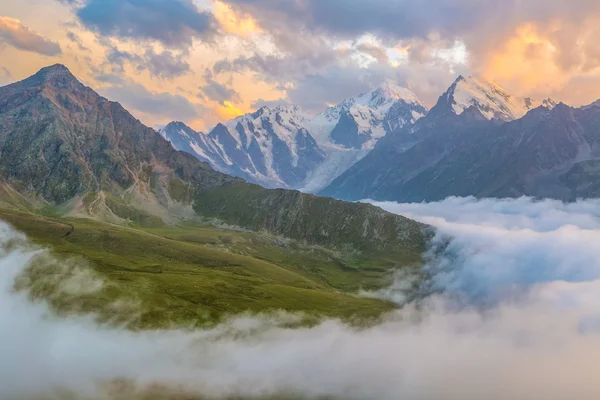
point(216, 91)
point(14, 33)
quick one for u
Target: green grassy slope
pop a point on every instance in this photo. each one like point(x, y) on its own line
point(193, 275)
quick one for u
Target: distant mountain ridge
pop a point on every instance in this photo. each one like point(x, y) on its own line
point(286, 147)
point(481, 142)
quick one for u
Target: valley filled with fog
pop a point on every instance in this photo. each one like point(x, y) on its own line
point(507, 306)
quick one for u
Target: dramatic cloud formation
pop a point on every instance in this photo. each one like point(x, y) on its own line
point(535, 47)
point(172, 22)
point(14, 33)
point(532, 335)
point(316, 53)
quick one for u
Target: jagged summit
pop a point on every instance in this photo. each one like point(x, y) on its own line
point(375, 113)
point(390, 90)
point(379, 99)
point(270, 146)
point(65, 141)
point(56, 71)
point(487, 97)
point(54, 68)
point(294, 112)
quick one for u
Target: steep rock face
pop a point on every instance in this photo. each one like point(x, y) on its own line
point(347, 134)
point(72, 149)
point(59, 139)
point(184, 138)
point(314, 219)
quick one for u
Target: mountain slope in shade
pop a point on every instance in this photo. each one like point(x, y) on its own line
point(549, 153)
point(450, 151)
point(64, 147)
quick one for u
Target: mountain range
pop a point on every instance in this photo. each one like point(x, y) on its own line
point(478, 140)
point(65, 150)
point(286, 147)
point(493, 145)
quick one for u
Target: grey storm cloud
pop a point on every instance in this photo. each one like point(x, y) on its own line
point(390, 18)
point(405, 19)
point(14, 33)
point(118, 58)
point(287, 66)
point(135, 96)
point(165, 64)
point(172, 22)
point(75, 39)
point(216, 91)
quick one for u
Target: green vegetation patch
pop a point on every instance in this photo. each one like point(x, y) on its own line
point(193, 275)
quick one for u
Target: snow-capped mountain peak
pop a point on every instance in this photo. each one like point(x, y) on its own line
point(283, 121)
point(390, 91)
point(284, 146)
point(492, 101)
point(368, 111)
point(291, 113)
point(350, 130)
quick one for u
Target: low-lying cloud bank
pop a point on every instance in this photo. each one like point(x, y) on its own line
point(516, 315)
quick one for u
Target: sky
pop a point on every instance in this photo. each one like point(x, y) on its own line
point(207, 61)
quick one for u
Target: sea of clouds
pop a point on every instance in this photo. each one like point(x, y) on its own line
point(512, 311)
